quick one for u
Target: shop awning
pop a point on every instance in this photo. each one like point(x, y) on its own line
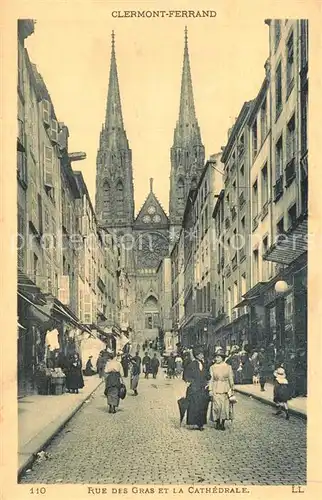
point(30, 289)
point(69, 316)
point(245, 302)
point(40, 313)
point(256, 291)
point(290, 246)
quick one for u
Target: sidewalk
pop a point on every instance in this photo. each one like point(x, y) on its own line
point(41, 417)
point(297, 406)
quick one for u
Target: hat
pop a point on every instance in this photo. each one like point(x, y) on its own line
point(220, 352)
point(280, 372)
point(196, 351)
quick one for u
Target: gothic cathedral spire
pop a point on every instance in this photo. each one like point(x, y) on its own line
point(187, 152)
point(114, 176)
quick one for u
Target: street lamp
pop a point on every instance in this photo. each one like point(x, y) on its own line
point(281, 288)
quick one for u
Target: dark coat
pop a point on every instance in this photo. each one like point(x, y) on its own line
point(155, 363)
point(197, 394)
point(171, 363)
point(138, 361)
point(89, 369)
point(74, 376)
point(281, 392)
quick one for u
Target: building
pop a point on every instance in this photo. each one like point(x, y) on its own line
point(98, 259)
point(48, 268)
point(232, 229)
point(188, 332)
point(144, 239)
point(205, 247)
point(165, 298)
point(286, 313)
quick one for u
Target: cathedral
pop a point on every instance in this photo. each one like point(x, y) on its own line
point(145, 239)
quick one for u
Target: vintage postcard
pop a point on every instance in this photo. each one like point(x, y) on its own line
point(156, 227)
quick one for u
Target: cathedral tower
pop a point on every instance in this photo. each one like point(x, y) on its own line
point(187, 153)
point(114, 178)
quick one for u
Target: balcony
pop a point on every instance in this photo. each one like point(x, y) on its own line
point(264, 210)
point(255, 222)
point(278, 189)
point(290, 173)
point(234, 262)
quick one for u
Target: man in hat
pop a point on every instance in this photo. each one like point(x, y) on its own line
point(197, 394)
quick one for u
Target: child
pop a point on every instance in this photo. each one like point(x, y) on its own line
point(281, 392)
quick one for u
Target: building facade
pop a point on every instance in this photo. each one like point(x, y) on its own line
point(57, 268)
point(232, 230)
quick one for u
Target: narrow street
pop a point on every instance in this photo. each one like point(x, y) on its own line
point(144, 444)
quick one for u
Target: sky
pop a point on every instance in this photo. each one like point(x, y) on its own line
point(227, 57)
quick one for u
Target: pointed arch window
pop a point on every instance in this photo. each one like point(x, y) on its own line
point(106, 196)
point(180, 187)
point(119, 197)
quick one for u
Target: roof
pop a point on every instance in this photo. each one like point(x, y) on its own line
point(151, 217)
point(290, 246)
point(236, 128)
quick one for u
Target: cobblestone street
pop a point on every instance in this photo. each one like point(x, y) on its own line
point(144, 444)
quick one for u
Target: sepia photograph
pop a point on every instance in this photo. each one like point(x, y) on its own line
point(162, 251)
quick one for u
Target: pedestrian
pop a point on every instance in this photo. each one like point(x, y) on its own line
point(113, 381)
point(155, 363)
point(125, 365)
point(100, 364)
point(247, 371)
point(74, 376)
point(197, 394)
point(146, 362)
point(135, 364)
point(263, 368)
point(89, 370)
point(234, 361)
point(281, 392)
point(171, 366)
point(254, 362)
point(221, 390)
point(179, 365)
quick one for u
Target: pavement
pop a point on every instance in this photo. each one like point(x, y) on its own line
point(297, 406)
point(40, 418)
point(143, 443)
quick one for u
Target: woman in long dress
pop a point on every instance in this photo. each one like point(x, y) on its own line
point(221, 388)
point(113, 381)
point(196, 376)
point(74, 376)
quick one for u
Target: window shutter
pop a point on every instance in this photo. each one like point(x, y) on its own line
point(63, 293)
point(48, 165)
point(87, 309)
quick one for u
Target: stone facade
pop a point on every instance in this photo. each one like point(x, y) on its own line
point(144, 240)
